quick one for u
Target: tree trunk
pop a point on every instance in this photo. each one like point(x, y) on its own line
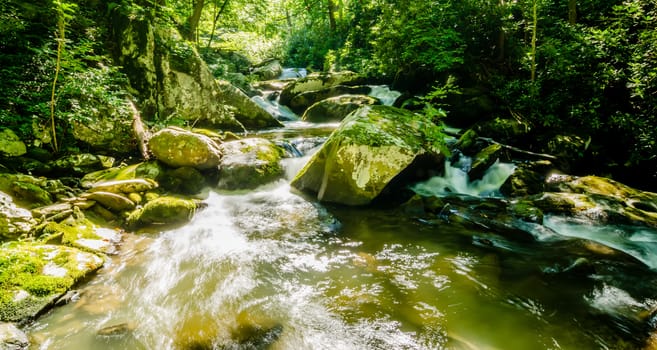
point(330, 6)
point(192, 21)
point(572, 11)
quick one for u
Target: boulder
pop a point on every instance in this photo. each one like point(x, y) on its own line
point(267, 70)
point(248, 163)
point(112, 201)
point(83, 234)
point(124, 186)
point(249, 114)
point(184, 180)
point(371, 147)
point(151, 170)
point(483, 160)
point(12, 338)
point(177, 148)
point(319, 81)
point(10, 144)
point(38, 274)
point(527, 179)
point(107, 128)
point(80, 164)
point(302, 101)
point(334, 109)
point(29, 191)
point(163, 210)
point(14, 221)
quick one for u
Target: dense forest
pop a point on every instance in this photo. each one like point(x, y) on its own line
point(582, 71)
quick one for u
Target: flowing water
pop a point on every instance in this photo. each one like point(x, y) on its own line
point(274, 269)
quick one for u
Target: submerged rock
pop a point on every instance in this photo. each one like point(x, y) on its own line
point(372, 146)
point(163, 210)
point(37, 275)
point(12, 338)
point(177, 147)
point(334, 109)
point(249, 163)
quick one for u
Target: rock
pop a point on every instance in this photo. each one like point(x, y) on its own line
point(14, 221)
point(38, 274)
point(319, 81)
point(163, 210)
point(124, 186)
point(599, 199)
point(267, 70)
point(184, 180)
point(10, 144)
point(249, 114)
point(302, 101)
point(484, 159)
point(152, 170)
point(12, 338)
point(507, 131)
point(468, 143)
point(52, 209)
point(31, 193)
point(569, 149)
point(80, 164)
point(82, 233)
point(177, 148)
point(248, 163)
point(371, 147)
point(334, 109)
point(527, 179)
point(111, 201)
point(120, 329)
point(107, 128)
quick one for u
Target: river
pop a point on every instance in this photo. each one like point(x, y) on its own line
point(274, 269)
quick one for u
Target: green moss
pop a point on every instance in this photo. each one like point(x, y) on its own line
point(164, 210)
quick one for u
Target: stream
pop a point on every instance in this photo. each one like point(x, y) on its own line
point(272, 268)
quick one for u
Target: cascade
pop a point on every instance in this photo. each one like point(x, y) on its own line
point(455, 180)
point(384, 94)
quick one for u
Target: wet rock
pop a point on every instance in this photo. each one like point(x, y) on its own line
point(248, 163)
point(38, 275)
point(83, 234)
point(124, 186)
point(372, 146)
point(177, 148)
point(319, 81)
point(116, 330)
point(80, 164)
point(14, 221)
point(112, 201)
point(302, 101)
point(50, 210)
point(29, 191)
point(184, 180)
point(527, 179)
point(483, 160)
point(468, 143)
point(148, 170)
point(526, 211)
point(163, 210)
point(12, 338)
point(267, 70)
point(10, 144)
point(334, 109)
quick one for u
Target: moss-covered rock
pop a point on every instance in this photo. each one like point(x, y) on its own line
point(527, 179)
point(319, 81)
point(33, 276)
point(10, 144)
point(183, 180)
point(334, 109)
point(302, 101)
point(14, 221)
point(250, 114)
point(163, 210)
point(177, 148)
point(112, 201)
point(371, 147)
point(29, 191)
point(248, 163)
point(82, 233)
point(152, 170)
point(124, 186)
point(267, 70)
point(483, 160)
point(80, 164)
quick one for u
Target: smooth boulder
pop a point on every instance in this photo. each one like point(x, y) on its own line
point(178, 147)
point(248, 163)
point(334, 109)
point(163, 210)
point(370, 148)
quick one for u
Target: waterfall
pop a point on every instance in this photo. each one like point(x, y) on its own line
point(270, 103)
point(455, 180)
point(293, 73)
point(384, 94)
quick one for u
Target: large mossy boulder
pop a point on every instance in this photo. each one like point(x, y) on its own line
point(302, 101)
point(249, 163)
point(319, 81)
point(14, 221)
point(33, 276)
point(371, 147)
point(177, 148)
point(10, 144)
point(163, 210)
point(334, 109)
point(171, 79)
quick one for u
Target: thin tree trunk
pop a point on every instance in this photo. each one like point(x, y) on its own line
point(330, 6)
point(193, 20)
point(215, 20)
point(534, 29)
point(572, 11)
